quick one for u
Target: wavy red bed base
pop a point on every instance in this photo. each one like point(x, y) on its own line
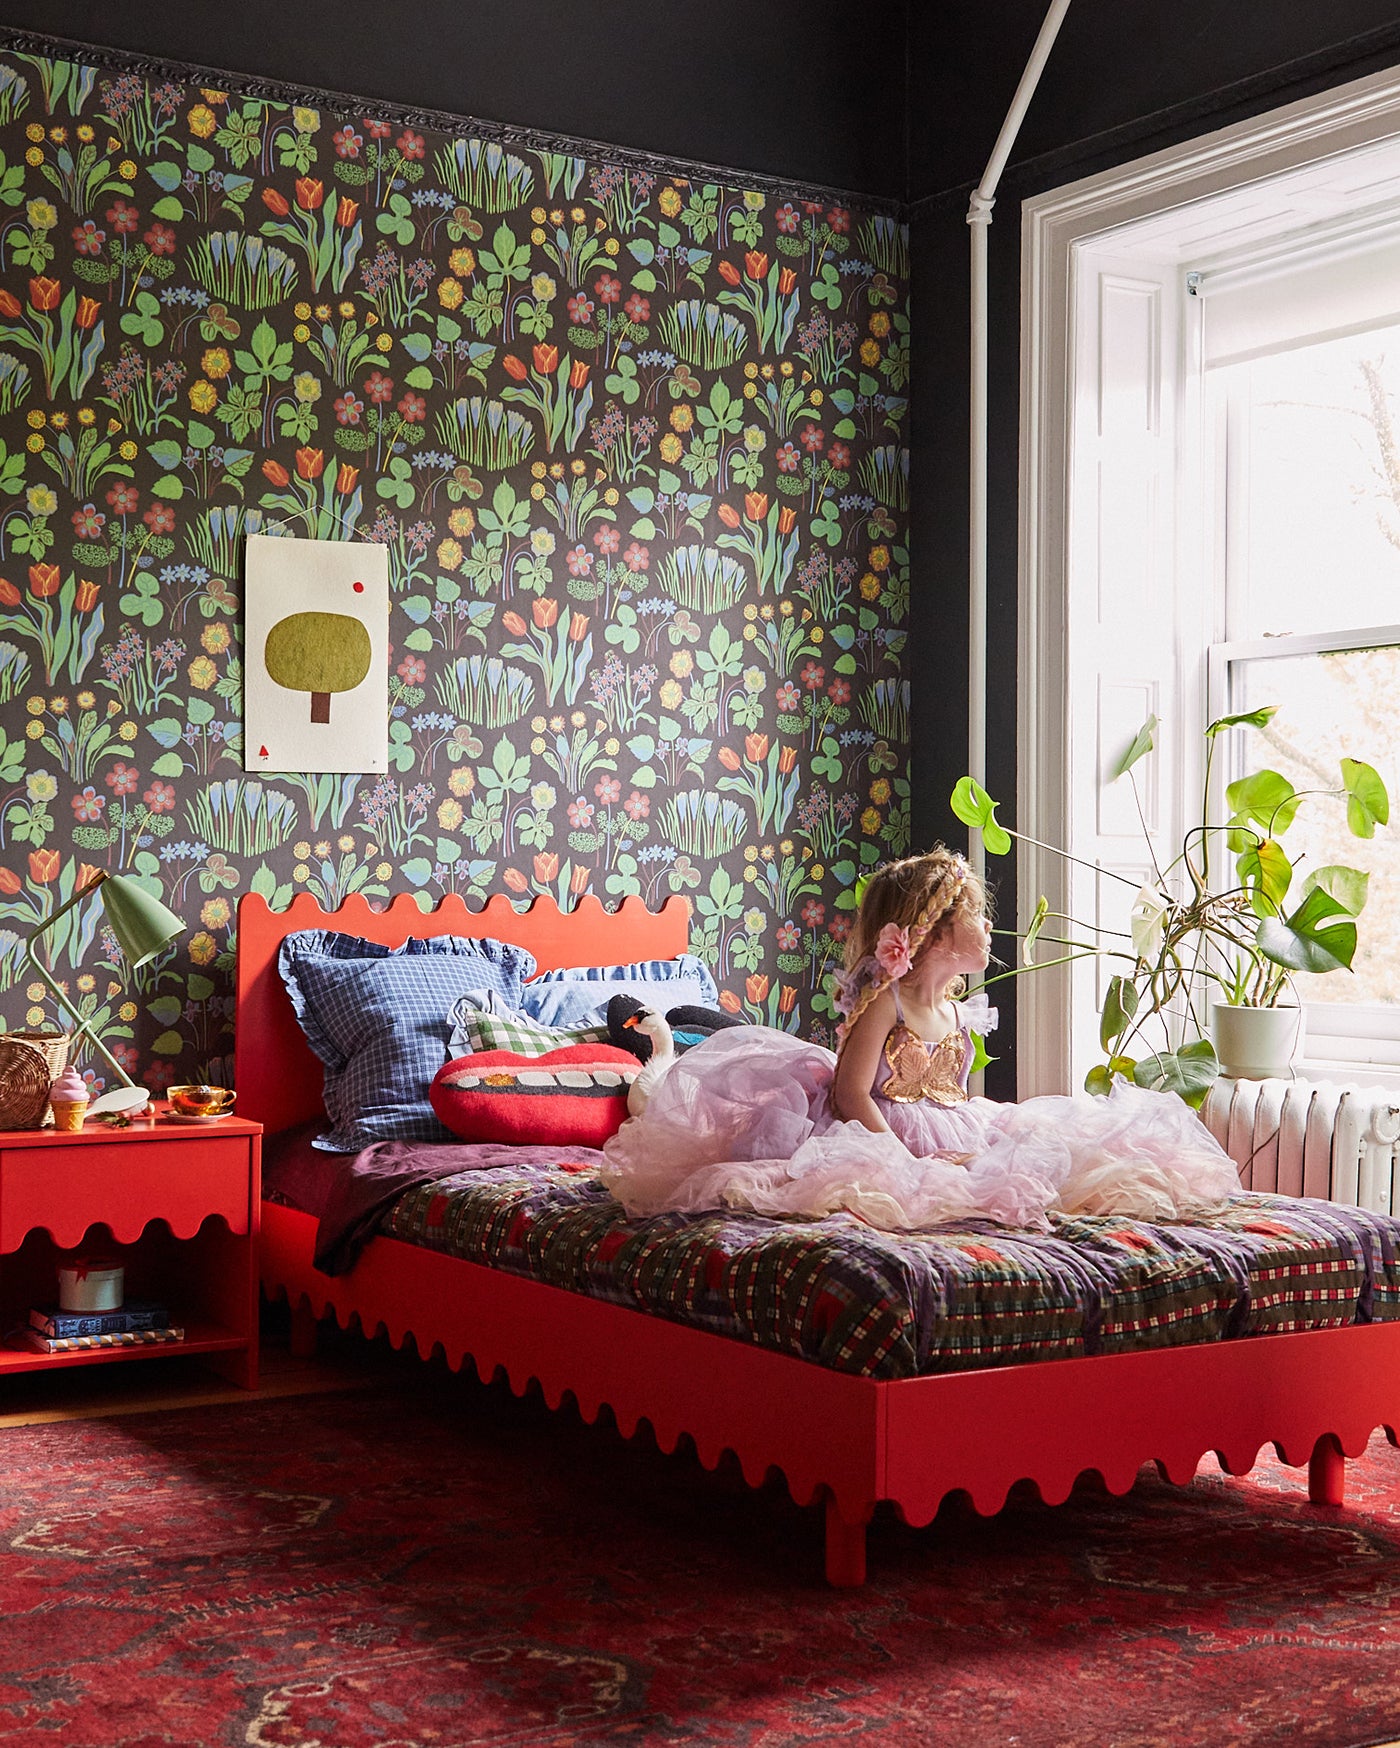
point(1316, 1396)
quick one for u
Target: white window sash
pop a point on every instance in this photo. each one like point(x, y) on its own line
point(1337, 1035)
point(1108, 210)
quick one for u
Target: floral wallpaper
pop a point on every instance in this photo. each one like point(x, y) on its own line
point(636, 445)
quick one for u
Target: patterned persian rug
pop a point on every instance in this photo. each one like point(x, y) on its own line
point(443, 1567)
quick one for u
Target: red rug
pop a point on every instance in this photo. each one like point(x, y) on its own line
point(444, 1567)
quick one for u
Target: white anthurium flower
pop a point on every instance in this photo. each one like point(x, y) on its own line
point(1147, 921)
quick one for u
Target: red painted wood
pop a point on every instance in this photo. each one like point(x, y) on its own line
point(178, 1203)
point(1327, 1472)
point(64, 1192)
point(1315, 1395)
point(845, 1547)
point(818, 1427)
point(303, 1331)
point(981, 1432)
point(277, 1076)
point(208, 1340)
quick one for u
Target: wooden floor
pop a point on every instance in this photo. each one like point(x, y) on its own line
point(146, 1386)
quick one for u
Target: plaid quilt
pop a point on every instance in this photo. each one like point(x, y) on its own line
point(478, 1027)
point(887, 1305)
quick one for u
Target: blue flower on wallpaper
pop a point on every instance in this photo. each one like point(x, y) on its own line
point(636, 447)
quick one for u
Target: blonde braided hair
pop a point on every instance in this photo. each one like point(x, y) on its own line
point(918, 894)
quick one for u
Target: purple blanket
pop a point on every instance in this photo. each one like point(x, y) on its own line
point(366, 1185)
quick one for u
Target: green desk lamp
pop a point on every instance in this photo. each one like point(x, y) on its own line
point(143, 927)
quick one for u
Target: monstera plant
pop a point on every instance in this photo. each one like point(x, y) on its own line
point(1228, 921)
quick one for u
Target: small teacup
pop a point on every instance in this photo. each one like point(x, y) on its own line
point(201, 1101)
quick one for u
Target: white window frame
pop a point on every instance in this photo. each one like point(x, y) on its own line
point(1055, 229)
point(1350, 1038)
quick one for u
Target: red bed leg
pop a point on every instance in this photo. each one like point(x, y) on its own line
point(1327, 1472)
point(845, 1547)
point(304, 1327)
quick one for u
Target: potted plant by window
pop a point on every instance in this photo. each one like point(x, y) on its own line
point(1212, 944)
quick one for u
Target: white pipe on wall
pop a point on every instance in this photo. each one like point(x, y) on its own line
point(979, 217)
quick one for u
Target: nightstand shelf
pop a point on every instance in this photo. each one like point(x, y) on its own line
point(177, 1204)
point(200, 1338)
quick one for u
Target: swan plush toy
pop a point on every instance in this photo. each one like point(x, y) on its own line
point(662, 1059)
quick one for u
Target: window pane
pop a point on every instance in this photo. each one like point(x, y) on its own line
point(1321, 487)
point(1331, 706)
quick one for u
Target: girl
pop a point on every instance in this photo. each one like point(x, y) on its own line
point(755, 1118)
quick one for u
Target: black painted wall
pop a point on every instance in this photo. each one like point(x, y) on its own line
point(1127, 77)
point(900, 101)
point(812, 93)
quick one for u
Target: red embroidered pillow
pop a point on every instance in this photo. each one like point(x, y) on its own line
point(578, 1095)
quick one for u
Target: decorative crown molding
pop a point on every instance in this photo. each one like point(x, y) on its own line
point(508, 134)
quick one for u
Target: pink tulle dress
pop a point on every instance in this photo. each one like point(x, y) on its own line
point(745, 1120)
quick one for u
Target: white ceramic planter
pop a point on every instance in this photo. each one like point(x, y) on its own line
point(1256, 1043)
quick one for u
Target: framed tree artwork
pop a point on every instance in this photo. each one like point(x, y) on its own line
point(316, 693)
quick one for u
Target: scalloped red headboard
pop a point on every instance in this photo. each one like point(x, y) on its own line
point(277, 1076)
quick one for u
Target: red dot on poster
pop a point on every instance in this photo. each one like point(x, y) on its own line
point(359, 588)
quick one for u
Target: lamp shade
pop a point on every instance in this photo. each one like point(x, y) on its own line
point(142, 924)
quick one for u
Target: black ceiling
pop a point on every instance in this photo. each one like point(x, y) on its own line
point(812, 91)
point(901, 100)
point(1119, 68)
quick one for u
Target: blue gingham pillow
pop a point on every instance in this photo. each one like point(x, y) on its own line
point(377, 1017)
point(580, 994)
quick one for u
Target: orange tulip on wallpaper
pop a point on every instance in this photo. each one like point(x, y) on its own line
point(583, 447)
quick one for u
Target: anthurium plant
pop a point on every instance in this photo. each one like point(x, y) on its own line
point(1230, 919)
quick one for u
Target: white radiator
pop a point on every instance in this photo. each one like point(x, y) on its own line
point(1309, 1138)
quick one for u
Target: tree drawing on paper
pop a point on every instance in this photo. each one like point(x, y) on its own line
point(319, 653)
point(635, 450)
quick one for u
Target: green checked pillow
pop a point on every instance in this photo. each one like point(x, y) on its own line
point(488, 1024)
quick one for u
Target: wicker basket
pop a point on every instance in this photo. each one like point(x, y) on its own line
point(30, 1062)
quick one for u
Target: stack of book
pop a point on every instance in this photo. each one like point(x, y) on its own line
point(139, 1323)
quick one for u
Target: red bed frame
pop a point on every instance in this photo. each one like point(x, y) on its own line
point(1316, 1396)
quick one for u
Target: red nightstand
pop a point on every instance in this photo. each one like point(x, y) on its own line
point(176, 1202)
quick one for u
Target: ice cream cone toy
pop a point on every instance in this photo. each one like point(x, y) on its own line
point(69, 1098)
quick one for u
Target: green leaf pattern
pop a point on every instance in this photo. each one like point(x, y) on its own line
point(636, 446)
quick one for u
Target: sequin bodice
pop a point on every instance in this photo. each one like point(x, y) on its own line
point(920, 1071)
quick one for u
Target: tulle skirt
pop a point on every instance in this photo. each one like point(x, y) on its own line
point(745, 1120)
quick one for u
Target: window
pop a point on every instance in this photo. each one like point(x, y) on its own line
point(1307, 485)
point(1209, 492)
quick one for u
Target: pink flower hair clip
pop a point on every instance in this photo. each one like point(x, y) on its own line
point(892, 951)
